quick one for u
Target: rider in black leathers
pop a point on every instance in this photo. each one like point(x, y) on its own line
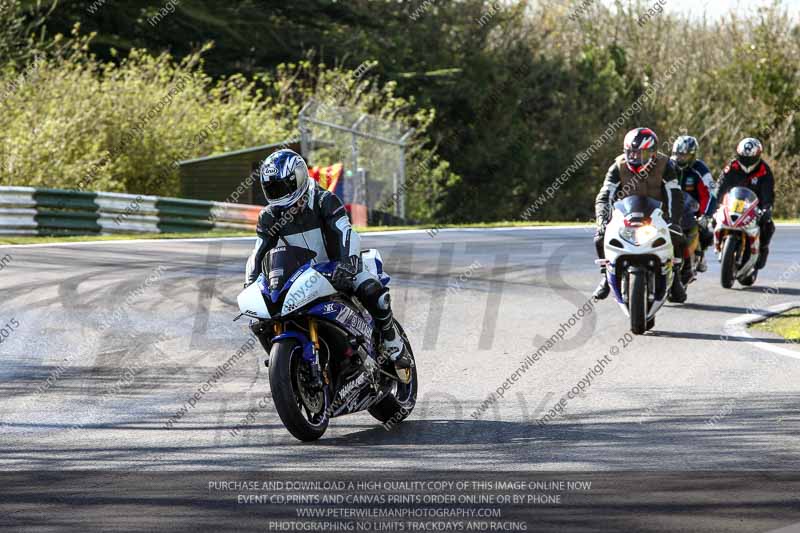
point(749, 170)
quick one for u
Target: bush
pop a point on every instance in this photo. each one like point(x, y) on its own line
point(69, 120)
point(738, 78)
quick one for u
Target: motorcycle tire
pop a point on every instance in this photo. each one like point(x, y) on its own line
point(399, 404)
point(637, 302)
point(750, 280)
point(285, 359)
point(729, 262)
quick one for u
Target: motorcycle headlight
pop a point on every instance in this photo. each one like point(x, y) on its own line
point(640, 235)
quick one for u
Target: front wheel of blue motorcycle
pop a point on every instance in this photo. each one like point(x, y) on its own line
point(301, 408)
point(400, 402)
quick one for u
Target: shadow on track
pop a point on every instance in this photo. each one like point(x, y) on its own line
point(780, 291)
point(718, 337)
point(714, 308)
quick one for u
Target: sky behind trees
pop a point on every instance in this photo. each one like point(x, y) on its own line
point(716, 8)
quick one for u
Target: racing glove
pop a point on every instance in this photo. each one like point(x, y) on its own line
point(345, 273)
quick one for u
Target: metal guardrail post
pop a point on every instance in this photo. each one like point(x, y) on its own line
point(400, 204)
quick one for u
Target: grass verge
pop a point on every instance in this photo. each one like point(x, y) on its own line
point(786, 325)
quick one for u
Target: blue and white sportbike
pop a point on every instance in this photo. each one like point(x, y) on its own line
point(324, 359)
point(639, 259)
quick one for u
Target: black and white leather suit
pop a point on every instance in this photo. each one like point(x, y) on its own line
point(319, 222)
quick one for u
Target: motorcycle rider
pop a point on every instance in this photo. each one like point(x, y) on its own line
point(641, 170)
point(300, 213)
point(751, 171)
point(695, 178)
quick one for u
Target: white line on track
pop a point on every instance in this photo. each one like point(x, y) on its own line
point(738, 327)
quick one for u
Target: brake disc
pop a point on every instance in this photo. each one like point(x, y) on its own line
point(314, 402)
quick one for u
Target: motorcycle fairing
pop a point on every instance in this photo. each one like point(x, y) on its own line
point(738, 212)
point(347, 317)
point(374, 264)
point(615, 284)
point(636, 212)
point(310, 285)
point(251, 300)
point(354, 395)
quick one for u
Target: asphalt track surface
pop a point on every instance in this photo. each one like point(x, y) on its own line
point(118, 336)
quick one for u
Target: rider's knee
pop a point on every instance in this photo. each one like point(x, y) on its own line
point(385, 301)
point(364, 279)
point(369, 289)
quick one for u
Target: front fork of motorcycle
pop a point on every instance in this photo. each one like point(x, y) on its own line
point(317, 373)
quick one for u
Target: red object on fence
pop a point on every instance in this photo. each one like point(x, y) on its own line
point(330, 178)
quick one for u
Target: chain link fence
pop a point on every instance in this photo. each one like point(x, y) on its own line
point(372, 150)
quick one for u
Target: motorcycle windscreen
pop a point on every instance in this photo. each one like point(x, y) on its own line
point(637, 208)
point(740, 199)
point(282, 262)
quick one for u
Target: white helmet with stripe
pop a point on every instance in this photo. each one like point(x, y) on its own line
point(284, 178)
point(749, 153)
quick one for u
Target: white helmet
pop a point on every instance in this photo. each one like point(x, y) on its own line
point(749, 154)
point(284, 178)
point(684, 151)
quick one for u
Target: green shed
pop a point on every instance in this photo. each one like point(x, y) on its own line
point(226, 177)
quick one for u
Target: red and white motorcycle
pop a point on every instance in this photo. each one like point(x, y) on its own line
point(737, 237)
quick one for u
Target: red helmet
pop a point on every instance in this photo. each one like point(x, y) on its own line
point(641, 149)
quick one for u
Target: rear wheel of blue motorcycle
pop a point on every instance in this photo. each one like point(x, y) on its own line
point(399, 404)
point(285, 379)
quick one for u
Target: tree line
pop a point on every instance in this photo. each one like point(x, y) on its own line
point(504, 96)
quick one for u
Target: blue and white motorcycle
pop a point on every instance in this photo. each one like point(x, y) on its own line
point(639, 259)
point(323, 346)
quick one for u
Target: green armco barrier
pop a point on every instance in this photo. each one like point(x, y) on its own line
point(64, 199)
point(179, 216)
point(29, 211)
point(66, 212)
point(184, 208)
point(50, 222)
